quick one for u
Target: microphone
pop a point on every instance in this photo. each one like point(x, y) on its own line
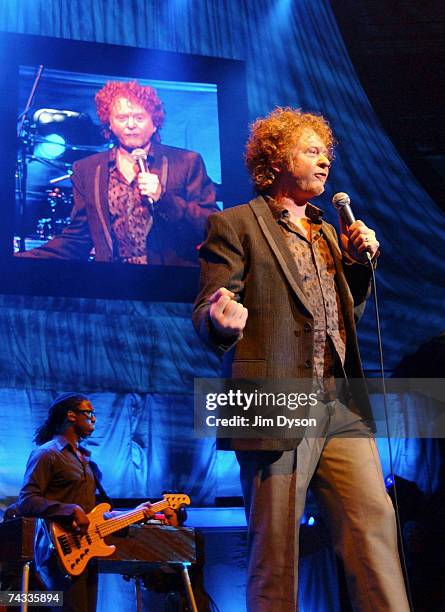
point(342, 202)
point(140, 157)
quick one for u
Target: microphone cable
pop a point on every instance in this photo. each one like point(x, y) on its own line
point(390, 452)
point(341, 202)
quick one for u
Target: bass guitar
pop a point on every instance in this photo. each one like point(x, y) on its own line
point(74, 551)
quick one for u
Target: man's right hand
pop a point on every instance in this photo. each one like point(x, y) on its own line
point(149, 185)
point(80, 521)
point(228, 316)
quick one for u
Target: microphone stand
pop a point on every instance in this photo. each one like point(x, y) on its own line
point(25, 143)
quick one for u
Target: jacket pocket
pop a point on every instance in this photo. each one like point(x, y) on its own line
point(249, 368)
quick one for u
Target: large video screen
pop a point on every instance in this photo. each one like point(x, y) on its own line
point(78, 200)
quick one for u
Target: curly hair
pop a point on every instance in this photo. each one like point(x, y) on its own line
point(144, 95)
point(57, 416)
point(273, 139)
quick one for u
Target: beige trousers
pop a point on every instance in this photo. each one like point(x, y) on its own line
point(343, 469)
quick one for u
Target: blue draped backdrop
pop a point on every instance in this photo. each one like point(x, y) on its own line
point(138, 360)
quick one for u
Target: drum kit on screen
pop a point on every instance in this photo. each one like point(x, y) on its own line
point(59, 202)
point(49, 201)
point(47, 146)
point(44, 193)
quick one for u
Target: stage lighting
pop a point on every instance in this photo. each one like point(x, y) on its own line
point(66, 135)
point(58, 131)
point(389, 481)
point(53, 115)
point(308, 519)
point(50, 147)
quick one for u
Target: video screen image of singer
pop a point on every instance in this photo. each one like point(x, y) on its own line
point(99, 213)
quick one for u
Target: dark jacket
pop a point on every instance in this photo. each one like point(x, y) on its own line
point(246, 252)
point(188, 197)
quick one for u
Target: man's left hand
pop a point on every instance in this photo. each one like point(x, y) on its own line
point(146, 508)
point(170, 517)
point(358, 239)
point(149, 185)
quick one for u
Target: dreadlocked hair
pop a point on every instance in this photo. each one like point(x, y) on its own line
point(57, 415)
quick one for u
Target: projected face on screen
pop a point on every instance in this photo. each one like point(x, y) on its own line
point(90, 197)
point(131, 124)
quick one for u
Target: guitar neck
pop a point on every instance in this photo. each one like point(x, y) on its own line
point(128, 518)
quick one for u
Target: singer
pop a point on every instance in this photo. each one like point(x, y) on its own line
point(150, 207)
point(279, 299)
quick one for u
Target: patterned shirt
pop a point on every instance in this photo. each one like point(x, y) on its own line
point(131, 220)
point(315, 265)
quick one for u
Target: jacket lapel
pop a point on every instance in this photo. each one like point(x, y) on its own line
point(158, 164)
point(101, 198)
point(279, 248)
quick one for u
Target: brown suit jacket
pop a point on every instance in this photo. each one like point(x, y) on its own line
point(246, 252)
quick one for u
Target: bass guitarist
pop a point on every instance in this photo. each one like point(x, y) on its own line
point(60, 484)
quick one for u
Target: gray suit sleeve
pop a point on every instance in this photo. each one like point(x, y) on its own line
point(222, 263)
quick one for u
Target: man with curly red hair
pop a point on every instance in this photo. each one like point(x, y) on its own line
point(152, 211)
point(279, 299)
point(143, 96)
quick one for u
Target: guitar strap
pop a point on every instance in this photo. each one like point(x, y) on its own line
point(102, 497)
point(102, 493)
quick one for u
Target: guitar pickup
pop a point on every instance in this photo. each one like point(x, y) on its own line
point(64, 544)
